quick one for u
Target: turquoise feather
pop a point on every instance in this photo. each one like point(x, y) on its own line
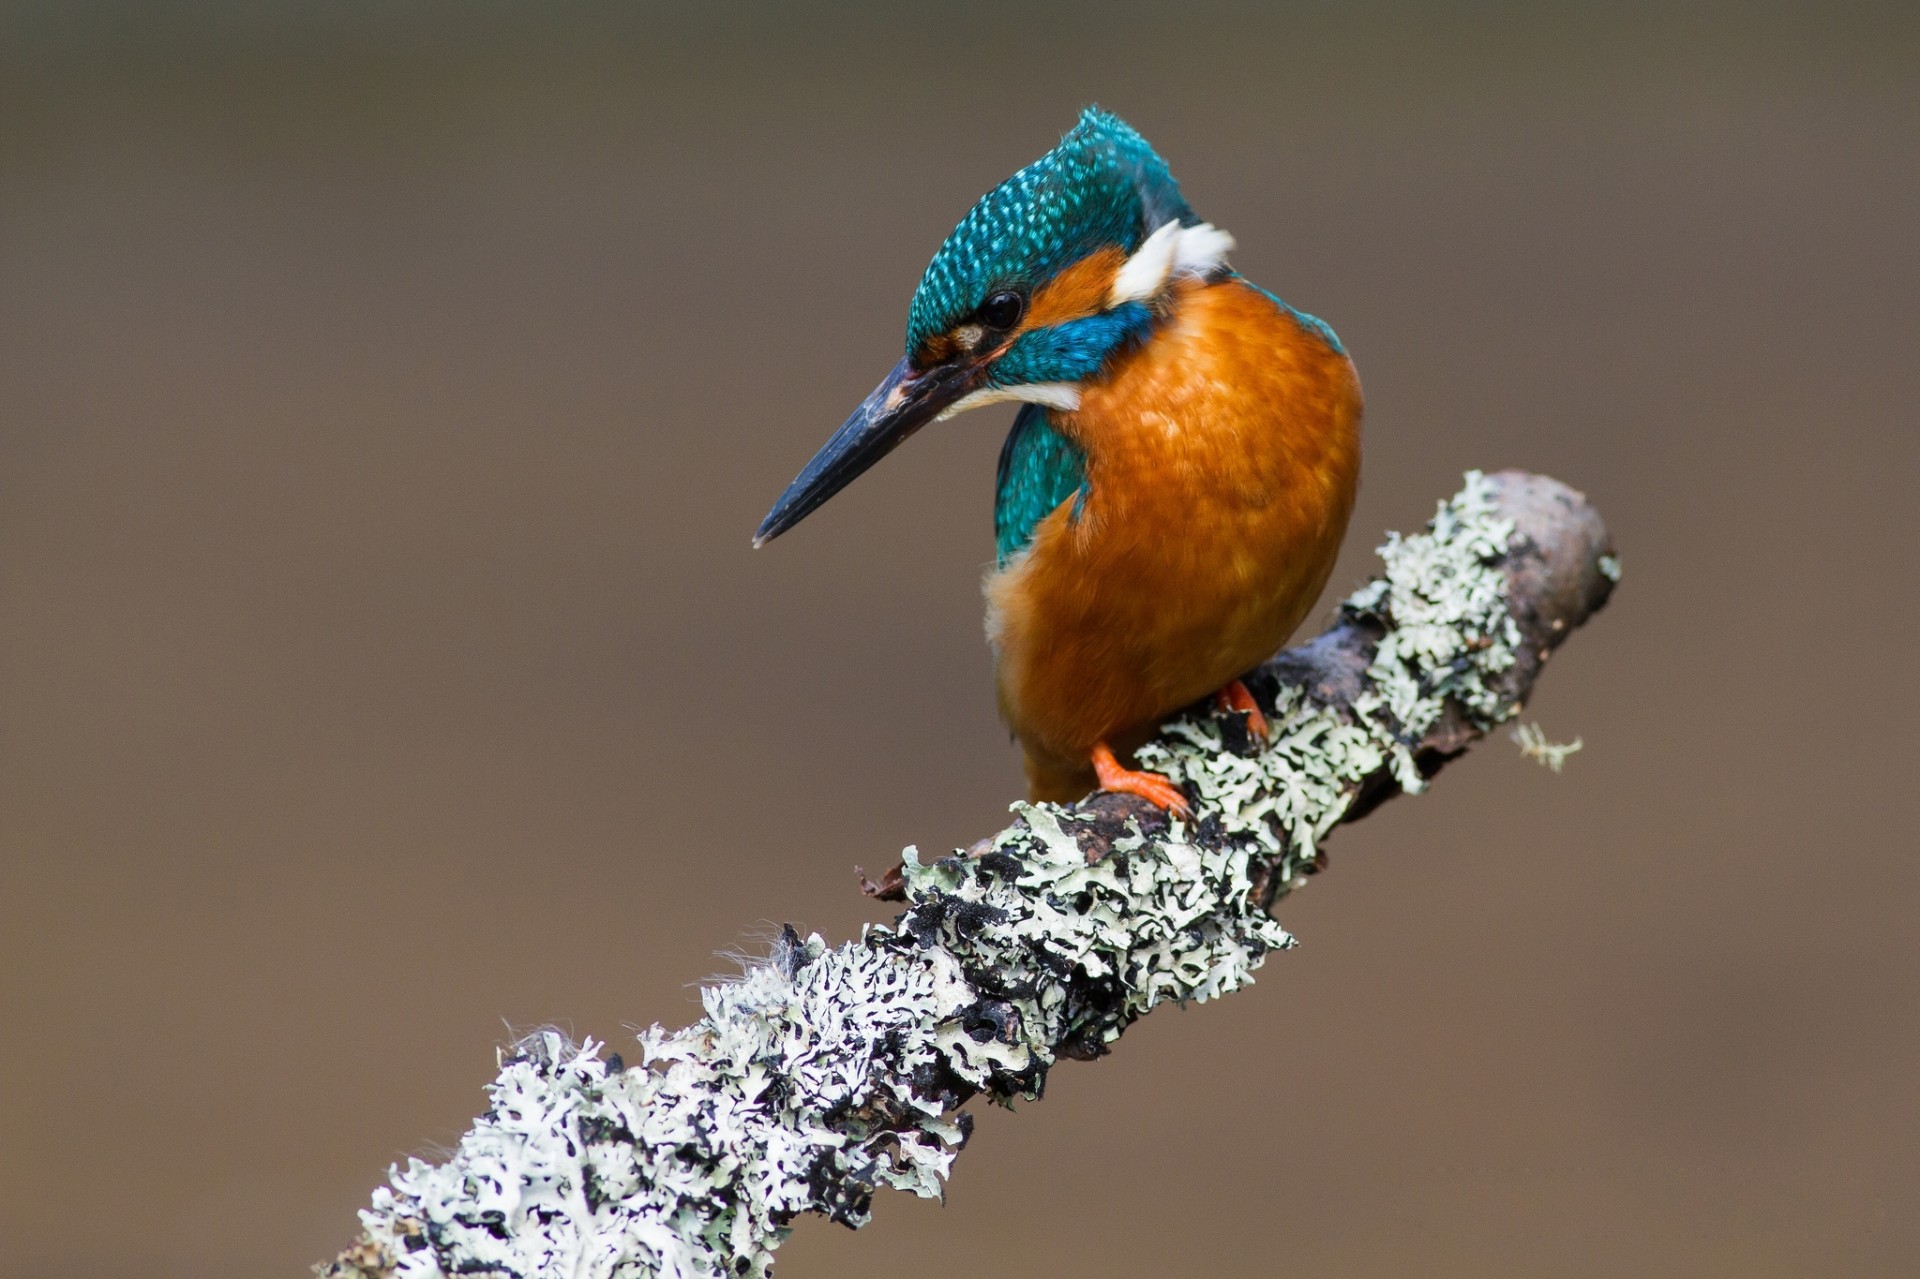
point(1102, 186)
point(1039, 469)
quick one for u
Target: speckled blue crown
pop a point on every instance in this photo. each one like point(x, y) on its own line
point(1103, 185)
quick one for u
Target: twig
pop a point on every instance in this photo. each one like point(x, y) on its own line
point(825, 1074)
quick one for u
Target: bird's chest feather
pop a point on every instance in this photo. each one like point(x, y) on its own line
point(1221, 458)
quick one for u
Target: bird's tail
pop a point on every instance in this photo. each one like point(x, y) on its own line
point(1051, 779)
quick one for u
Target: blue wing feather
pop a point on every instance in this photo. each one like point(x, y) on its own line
point(1039, 469)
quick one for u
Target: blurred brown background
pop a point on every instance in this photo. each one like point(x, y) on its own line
point(387, 394)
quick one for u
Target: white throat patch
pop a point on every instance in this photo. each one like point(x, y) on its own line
point(1064, 396)
point(1169, 253)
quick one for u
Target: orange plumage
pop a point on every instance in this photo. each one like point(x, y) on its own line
point(1172, 496)
point(1222, 459)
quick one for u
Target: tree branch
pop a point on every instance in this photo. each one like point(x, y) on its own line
point(825, 1073)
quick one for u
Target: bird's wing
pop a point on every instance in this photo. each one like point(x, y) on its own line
point(1039, 469)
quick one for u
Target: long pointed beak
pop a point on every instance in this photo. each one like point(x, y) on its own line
point(903, 403)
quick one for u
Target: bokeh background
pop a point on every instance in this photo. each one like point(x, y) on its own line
point(387, 393)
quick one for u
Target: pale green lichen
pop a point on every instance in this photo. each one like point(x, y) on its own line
point(824, 1074)
point(1534, 745)
point(1447, 636)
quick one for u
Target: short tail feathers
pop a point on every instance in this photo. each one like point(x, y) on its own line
point(1052, 781)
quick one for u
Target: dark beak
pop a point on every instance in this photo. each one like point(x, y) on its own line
point(906, 401)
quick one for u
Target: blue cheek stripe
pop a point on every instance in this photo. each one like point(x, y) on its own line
point(1073, 351)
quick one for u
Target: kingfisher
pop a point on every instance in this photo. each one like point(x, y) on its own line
point(1177, 481)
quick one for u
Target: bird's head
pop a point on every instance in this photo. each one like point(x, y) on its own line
point(1052, 273)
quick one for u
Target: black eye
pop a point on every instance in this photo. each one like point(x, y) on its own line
point(1002, 310)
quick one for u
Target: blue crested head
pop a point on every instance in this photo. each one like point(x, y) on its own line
point(1053, 273)
point(1104, 186)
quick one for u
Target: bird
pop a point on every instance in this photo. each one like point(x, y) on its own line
point(1177, 481)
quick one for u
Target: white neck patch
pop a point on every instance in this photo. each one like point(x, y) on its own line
point(1064, 396)
point(1169, 253)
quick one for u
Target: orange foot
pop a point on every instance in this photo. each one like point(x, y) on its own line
point(1152, 787)
point(1235, 697)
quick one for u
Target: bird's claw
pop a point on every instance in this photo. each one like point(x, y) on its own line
point(1237, 697)
point(1152, 787)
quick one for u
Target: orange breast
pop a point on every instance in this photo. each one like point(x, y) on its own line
point(1222, 458)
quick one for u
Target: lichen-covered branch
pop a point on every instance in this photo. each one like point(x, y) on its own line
point(827, 1073)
